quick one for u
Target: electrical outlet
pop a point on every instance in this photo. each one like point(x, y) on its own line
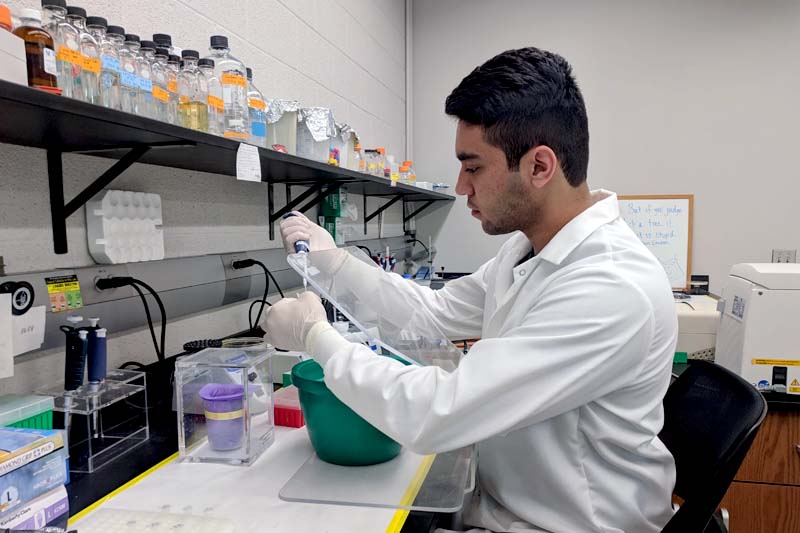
point(784, 255)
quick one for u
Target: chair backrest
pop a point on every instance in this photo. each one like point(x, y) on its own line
point(711, 417)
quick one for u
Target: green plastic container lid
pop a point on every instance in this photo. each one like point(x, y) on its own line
point(308, 376)
point(16, 407)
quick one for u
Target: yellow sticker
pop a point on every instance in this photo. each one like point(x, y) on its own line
point(172, 86)
point(69, 55)
point(257, 103)
point(794, 390)
point(160, 94)
point(235, 135)
point(216, 102)
point(234, 79)
point(64, 293)
point(91, 64)
point(184, 99)
point(795, 383)
point(231, 415)
point(776, 362)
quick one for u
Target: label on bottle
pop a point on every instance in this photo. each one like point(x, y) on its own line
point(258, 128)
point(172, 86)
point(144, 84)
point(50, 65)
point(110, 63)
point(216, 103)
point(257, 103)
point(235, 135)
point(234, 79)
point(160, 94)
point(68, 55)
point(92, 64)
point(128, 80)
point(183, 100)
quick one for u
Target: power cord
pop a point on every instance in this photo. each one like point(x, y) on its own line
point(128, 281)
point(411, 241)
point(247, 263)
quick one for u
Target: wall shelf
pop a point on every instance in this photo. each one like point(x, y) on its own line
point(62, 125)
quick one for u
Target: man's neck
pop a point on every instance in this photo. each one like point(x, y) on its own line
point(557, 212)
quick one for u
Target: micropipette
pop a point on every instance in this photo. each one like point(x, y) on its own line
point(301, 247)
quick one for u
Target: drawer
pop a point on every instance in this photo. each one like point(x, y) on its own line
point(774, 456)
point(768, 508)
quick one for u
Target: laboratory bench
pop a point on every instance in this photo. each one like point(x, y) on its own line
point(150, 478)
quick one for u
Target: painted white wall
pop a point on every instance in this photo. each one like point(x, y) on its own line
point(683, 97)
point(348, 55)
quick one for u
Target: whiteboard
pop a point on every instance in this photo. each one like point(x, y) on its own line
point(664, 225)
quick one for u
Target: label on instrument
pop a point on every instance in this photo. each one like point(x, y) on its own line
point(64, 292)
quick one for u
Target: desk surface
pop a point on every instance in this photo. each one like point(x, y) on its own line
point(247, 496)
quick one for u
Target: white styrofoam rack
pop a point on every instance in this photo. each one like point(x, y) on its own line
point(124, 227)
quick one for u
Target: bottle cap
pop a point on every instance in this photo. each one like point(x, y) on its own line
point(93, 321)
point(116, 30)
point(148, 45)
point(131, 38)
point(82, 333)
point(357, 146)
point(74, 319)
point(249, 73)
point(206, 62)
point(97, 21)
point(190, 54)
point(162, 51)
point(173, 59)
point(408, 163)
point(403, 168)
point(76, 11)
point(162, 38)
point(219, 41)
point(101, 332)
point(381, 150)
point(54, 3)
point(28, 13)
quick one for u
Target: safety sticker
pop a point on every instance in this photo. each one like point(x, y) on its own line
point(776, 362)
point(64, 292)
point(794, 386)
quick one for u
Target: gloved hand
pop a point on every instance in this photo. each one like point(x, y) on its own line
point(288, 322)
point(300, 228)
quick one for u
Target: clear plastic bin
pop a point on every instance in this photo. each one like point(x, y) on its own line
point(314, 133)
point(224, 404)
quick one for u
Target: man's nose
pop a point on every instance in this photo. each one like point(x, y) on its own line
point(463, 185)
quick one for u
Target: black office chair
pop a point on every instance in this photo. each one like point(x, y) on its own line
point(711, 417)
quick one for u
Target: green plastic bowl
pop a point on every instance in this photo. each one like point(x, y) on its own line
point(338, 434)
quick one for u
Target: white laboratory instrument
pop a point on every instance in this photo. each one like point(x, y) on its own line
point(758, 335)
point(698, 320)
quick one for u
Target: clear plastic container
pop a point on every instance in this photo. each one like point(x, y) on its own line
point(83, 68)
point(411, 175)
point(40, 53)
point(109, 62)
point(193, 91)
point(257, 107)
point(216, 106)
point(381, 163)
point(160, 78)
point(232, 75)
point(224, 404)
point(359, 162)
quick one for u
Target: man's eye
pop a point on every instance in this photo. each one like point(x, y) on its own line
point(472, 170)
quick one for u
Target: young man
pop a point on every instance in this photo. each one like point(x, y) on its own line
point(562, 394)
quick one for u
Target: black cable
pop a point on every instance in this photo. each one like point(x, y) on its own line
point(159, 355)
point(160, 308)
point(366, 249)
point(245, 263)
point(410, 241)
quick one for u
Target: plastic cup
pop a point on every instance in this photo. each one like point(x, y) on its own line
point(224, 411)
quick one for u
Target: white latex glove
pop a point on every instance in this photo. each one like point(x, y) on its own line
point(300, 228)
point(289, 321)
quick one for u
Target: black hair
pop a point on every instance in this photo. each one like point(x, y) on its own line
point(526, 98)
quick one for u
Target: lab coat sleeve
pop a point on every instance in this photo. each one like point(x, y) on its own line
point(454, 312)
point(586, 336)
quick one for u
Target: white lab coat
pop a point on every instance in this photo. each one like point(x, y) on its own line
point(563, 393)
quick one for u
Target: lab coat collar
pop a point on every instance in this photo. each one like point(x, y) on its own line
point(604, 209)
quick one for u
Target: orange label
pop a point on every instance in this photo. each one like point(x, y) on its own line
point(172, 86)
point(216, 103)
point(183, 100)
point(70, 56)
point(257, 104)
point(160, 94)
point(235, 135)
point(234, 79)
point(91, 64)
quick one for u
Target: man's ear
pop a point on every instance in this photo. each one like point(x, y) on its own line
point(538, 165)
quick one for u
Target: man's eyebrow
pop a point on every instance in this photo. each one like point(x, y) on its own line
point(465, 156)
